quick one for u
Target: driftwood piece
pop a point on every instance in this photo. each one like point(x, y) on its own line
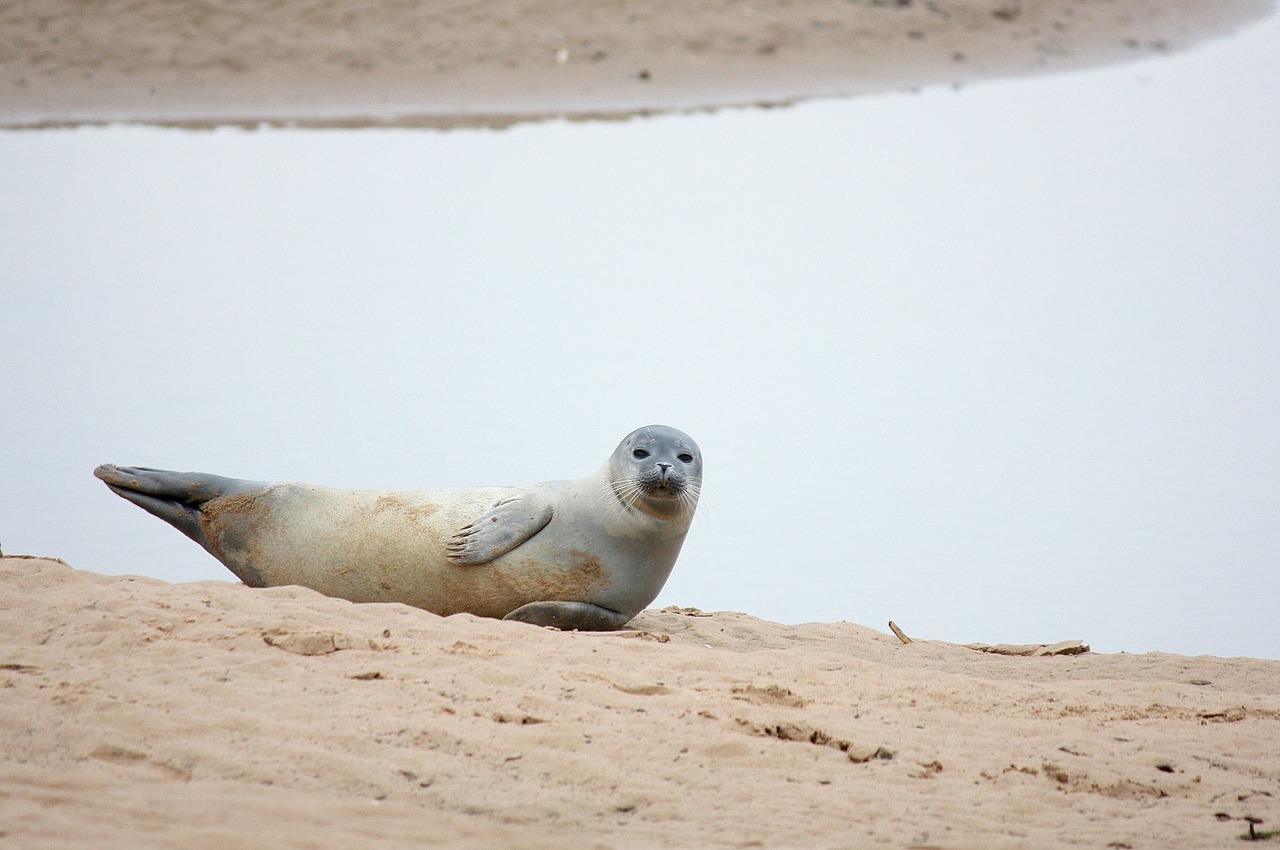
point(1062, 647)
point(1037, 650)
point(897, 631)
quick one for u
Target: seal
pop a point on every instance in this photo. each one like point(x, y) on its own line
point(586, 554)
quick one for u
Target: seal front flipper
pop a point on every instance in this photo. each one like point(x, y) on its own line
point(567, 616)
point(500, 529)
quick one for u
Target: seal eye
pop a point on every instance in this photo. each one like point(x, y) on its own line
point(639, 454)
point(685, 457)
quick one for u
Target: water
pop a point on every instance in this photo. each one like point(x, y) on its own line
point(1001, 366)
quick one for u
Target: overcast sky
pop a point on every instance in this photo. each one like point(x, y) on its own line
point(1000, 364)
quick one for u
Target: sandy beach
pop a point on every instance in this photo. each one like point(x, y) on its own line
point(138, 713)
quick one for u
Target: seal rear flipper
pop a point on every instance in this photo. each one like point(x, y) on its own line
point(569, 616)
point(500, 529)
point(182, 517)
point(189, 488)
point(174, 497)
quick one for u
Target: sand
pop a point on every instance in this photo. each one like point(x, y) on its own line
point(496, 62)
point(137, 713)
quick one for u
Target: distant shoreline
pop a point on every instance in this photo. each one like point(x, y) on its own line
point(306, 63)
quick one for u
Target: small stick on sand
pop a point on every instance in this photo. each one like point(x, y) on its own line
point(897, 631)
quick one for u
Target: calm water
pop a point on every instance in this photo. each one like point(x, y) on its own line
point(982, 363)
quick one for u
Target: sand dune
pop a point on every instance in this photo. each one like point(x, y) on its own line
point(137, 713)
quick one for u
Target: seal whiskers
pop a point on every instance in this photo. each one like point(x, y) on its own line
point(690, 495)
point(627, 492)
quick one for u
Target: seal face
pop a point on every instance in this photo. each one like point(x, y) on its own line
point(657, 471)
point(588, 553)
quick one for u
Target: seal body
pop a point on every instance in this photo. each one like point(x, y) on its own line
point(588, 553)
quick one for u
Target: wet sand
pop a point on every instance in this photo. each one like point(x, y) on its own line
point(385, 63)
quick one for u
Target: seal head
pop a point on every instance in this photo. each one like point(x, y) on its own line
point(656, 471)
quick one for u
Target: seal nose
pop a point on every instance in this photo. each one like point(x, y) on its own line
point(664, 471)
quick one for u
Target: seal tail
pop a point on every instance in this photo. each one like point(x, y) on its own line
point(174, 497)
